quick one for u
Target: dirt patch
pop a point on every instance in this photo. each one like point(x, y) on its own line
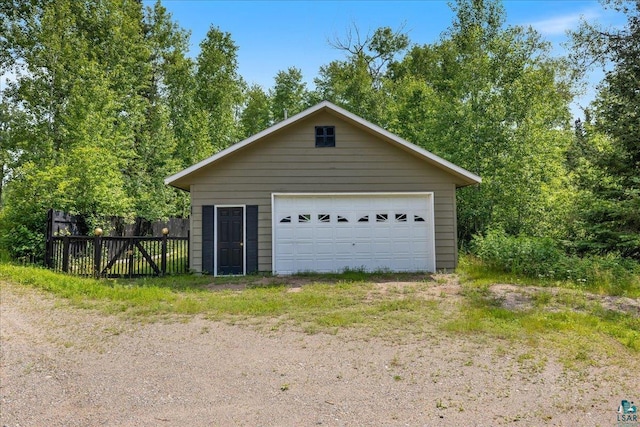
point(515, 297)
point(61, 366)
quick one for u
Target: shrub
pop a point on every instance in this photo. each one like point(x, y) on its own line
point(543, 258)
point(530, 256)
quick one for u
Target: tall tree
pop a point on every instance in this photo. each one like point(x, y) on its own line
point(93, 133)
point(256, 114)
point(289, 95)
point(493, 100)
point(219, 88)
point(358, 83)
point(609, 167)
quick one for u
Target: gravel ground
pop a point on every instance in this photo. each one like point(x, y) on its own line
point(62, 366)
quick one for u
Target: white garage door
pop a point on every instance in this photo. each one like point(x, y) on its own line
point(331, 232)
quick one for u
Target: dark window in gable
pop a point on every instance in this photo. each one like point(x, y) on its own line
point(325, 136)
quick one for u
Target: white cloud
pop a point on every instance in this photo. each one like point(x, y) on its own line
point(558, 25)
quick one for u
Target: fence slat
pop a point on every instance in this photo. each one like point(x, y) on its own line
point(65, 254)
point(104, 256)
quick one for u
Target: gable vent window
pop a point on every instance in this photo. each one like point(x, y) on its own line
point(325, 136)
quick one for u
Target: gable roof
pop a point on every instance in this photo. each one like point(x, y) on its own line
point(466, 177)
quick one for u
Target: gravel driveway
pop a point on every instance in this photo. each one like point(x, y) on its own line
point(62, 366)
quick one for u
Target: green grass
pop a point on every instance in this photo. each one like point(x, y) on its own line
point(602, 281)
point(578, 328)
point(318, 306)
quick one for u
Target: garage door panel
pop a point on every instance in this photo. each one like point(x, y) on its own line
point(419, 246)
point(302, 248)
point(286, 233)
point(327, 232)
point(324, 249)
point(344, 247)
point(362, 232)
point(303, 233)
point(403, 232)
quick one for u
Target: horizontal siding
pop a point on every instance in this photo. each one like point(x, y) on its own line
point(289, 162)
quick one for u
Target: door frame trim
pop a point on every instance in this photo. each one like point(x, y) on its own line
point(431, 207)
point(244, 240)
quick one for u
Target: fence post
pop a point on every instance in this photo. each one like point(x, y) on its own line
point(48, 253)
point(131, 245)
point(65, 254)
point(97, 252)
point(188, 266)
point(163, 259)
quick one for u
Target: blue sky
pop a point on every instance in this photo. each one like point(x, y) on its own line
point(275, 35)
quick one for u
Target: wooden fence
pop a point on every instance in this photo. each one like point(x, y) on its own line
point(60, 223)
point(104, 256)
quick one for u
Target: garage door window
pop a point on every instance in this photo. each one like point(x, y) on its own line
point(304, 218)
point(381, 217)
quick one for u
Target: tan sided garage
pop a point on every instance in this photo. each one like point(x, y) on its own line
point(323, 190)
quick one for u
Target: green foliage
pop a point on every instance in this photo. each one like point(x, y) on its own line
point(358, 83)
point(218, 88)
point(288, 94)
point(103, 110)
point(605, 157)
point(524, 255)
point(543, 258)
point(256, 115)
point(493, 101)
point(89, 187)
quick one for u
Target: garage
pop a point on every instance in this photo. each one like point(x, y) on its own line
point(370, 231)
point(323, 190)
